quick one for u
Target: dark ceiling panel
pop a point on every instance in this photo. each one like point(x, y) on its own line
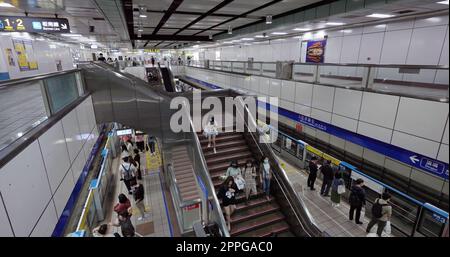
point(167, 15)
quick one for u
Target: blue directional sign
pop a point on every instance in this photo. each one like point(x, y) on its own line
point(415, 160)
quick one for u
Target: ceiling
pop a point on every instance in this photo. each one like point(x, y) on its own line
point(109, 32)
point(174, 23)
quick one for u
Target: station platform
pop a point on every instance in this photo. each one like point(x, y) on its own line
point(332, 220)
point(157, 221)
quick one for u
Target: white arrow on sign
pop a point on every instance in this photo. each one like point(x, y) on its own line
point(63, 26)
point(414, 159)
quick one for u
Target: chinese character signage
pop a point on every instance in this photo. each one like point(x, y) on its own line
point(315, 51)
point(25, 55)
point(33, 24)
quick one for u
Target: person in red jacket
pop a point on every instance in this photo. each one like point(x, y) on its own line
point(123, 205)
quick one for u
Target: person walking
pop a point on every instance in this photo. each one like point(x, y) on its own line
point(128, 173)
point(235, 172)
point(139, 139)
point(266, 176)
point(381, 213)
point(337, 189)
point(211, 132)
point(153, 61)
point(123, 205)
point(312, 173)
point(357, 200)
point(137, 164)
point(138, 194)
point(151, 144)
point(227, 193)
point(328, 176)
point(250, 180)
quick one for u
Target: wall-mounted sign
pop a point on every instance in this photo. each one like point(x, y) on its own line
point(315, 51)
point(152, 50)
point(33, 24)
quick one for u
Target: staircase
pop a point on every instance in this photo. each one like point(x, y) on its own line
point(261, 217)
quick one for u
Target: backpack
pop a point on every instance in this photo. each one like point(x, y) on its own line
point(377, 209)
point(128, 175)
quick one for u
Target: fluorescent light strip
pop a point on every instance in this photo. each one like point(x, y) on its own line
point(6, 5)
point(443, 2)
point(380, 15)
point(278, 33)
point(335, 23)
point(301, 29)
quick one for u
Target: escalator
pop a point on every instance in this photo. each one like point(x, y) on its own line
point(123, 98)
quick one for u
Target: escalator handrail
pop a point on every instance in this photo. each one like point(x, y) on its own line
point(205, 170)
point(312, 229)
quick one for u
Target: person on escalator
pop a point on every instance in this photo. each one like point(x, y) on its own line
point(357, 200)
point(312, 173)
point(266, 176)
point(235, 172)
point(227, 193)
point(250, 179)
point(211, 132)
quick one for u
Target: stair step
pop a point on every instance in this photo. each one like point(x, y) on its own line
point(224, 138)
point(253, 203)
point(226, 144)
point(252, 213)
point(256, 223)
point(277, 228)
point(223, 151)
point(228, 157)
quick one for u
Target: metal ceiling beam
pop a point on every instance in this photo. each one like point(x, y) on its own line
point(201, 17)
point(145, 27)
point(200, 13)
point(172, 8)
point(242, 15)
point(127, 6)
point(172, 38)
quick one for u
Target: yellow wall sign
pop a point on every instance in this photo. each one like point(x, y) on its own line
point(152, 50)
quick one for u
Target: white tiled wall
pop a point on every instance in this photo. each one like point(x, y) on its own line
point(374, 131)
point(323, 98)
point(420, 145)
point(379, 109)
point(37, 183)
point(347, 103)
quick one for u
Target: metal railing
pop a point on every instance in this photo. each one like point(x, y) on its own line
point(424, 81)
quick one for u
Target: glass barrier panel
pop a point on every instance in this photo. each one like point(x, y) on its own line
point(23, 108)
point(238, 66)
point(431, 225)
point(303, 72)
point(61, 91)
point(254, 68)
point(269, 69)
point(341, 76)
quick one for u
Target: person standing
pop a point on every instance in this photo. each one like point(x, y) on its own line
point(153, 61)
point(139, 139)
point(250, 179)
point(266, 176)
point(328, 176)
point(235, 172)
point(381, 213)
point(336, 189)
point(124, 222)
point(151, 145)
point(128, 173)
point(138, 194)
point(312, 173)
point(357, 200)
point(101, 58)
point(137, 163)
point(227, 193)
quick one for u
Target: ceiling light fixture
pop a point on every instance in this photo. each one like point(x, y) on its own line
point(142, 12)
point(6, 5)
point(335, 23)
point(269, 19)
point(230, 30)
point(443, 2)
point(278, 33)
point(71, 35)
point(247, 39)
point(380, 15)
point(301, 29)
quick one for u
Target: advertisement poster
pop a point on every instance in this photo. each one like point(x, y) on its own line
point(25, 54)
point(10, 57)
point(315, 51)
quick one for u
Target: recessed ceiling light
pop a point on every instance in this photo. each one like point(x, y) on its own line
point(269, 19)
point(259, 36)
point(335, 23)
point(71, 35)
point(301, 29)
point(380, 15)
point(443, 2)
point(6, 5)
point(247, 39)
point(278, 33)
point(142, 15)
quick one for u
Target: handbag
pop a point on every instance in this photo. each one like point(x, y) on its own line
point(341, 189)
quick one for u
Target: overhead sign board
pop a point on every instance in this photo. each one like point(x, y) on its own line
point(124, 132)
point(33, 24)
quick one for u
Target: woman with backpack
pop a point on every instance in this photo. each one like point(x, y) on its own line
point(381, 213)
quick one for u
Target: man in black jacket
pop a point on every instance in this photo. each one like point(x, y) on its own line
point(312, 173)
point(328, 177)
point(357, 200)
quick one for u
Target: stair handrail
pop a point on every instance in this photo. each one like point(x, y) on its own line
point(311, 229)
